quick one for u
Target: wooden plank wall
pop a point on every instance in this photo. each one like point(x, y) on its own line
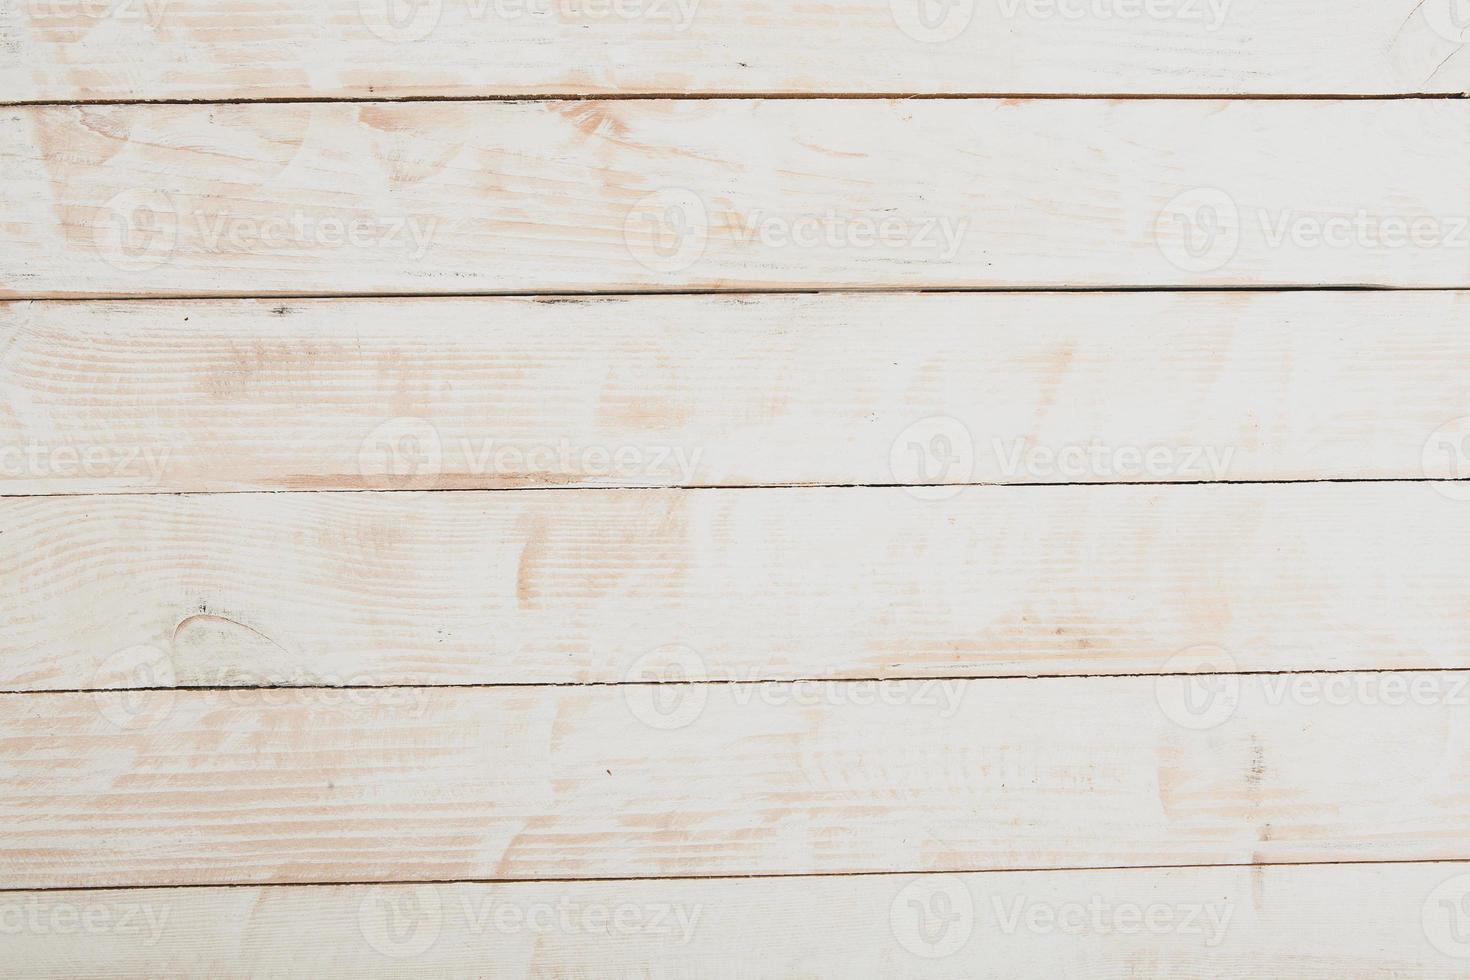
point(659, 488)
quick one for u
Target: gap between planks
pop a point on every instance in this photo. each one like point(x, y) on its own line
point(666, 488)
point(766, 97)
point(778, 875)
point(728, 682)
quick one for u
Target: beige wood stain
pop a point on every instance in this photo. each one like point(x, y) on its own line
point(411, 198)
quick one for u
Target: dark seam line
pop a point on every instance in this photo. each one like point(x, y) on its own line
point(737, 877)
point(553, 294)
point(958, 488)
point(727, 682)
point(776, 96)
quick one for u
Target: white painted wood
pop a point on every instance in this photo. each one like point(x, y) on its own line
point(212, 787)
point(710, 390)
point(531, 587)
point(81, 50)
point(327, 199)
point(1322, 922)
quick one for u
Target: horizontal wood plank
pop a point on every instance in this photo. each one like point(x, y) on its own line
point(1322, 922)
point(442, 197)
point(241, 590)
point(82, 50)
point(170, 787)
point(909, 389)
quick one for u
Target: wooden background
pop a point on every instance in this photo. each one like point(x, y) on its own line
point(676, 488)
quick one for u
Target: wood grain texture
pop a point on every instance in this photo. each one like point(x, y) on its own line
point(1324, 922)
point(327, 199)
point(722, 391)
point(244, 590)
point(213, 787)
point(71, 50)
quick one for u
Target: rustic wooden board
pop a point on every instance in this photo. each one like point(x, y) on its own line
point(1323, 922)
point(444, 197)
point(81, 50)
point(529, 587)
point(725, 391)
point(215, 787)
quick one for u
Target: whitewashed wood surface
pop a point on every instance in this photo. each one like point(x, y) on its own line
point(451, 197)
point(994, 533)
point(419, 783)
point(83, 50)
point(1324, 922)
point(249, 590)
point(734, 391)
